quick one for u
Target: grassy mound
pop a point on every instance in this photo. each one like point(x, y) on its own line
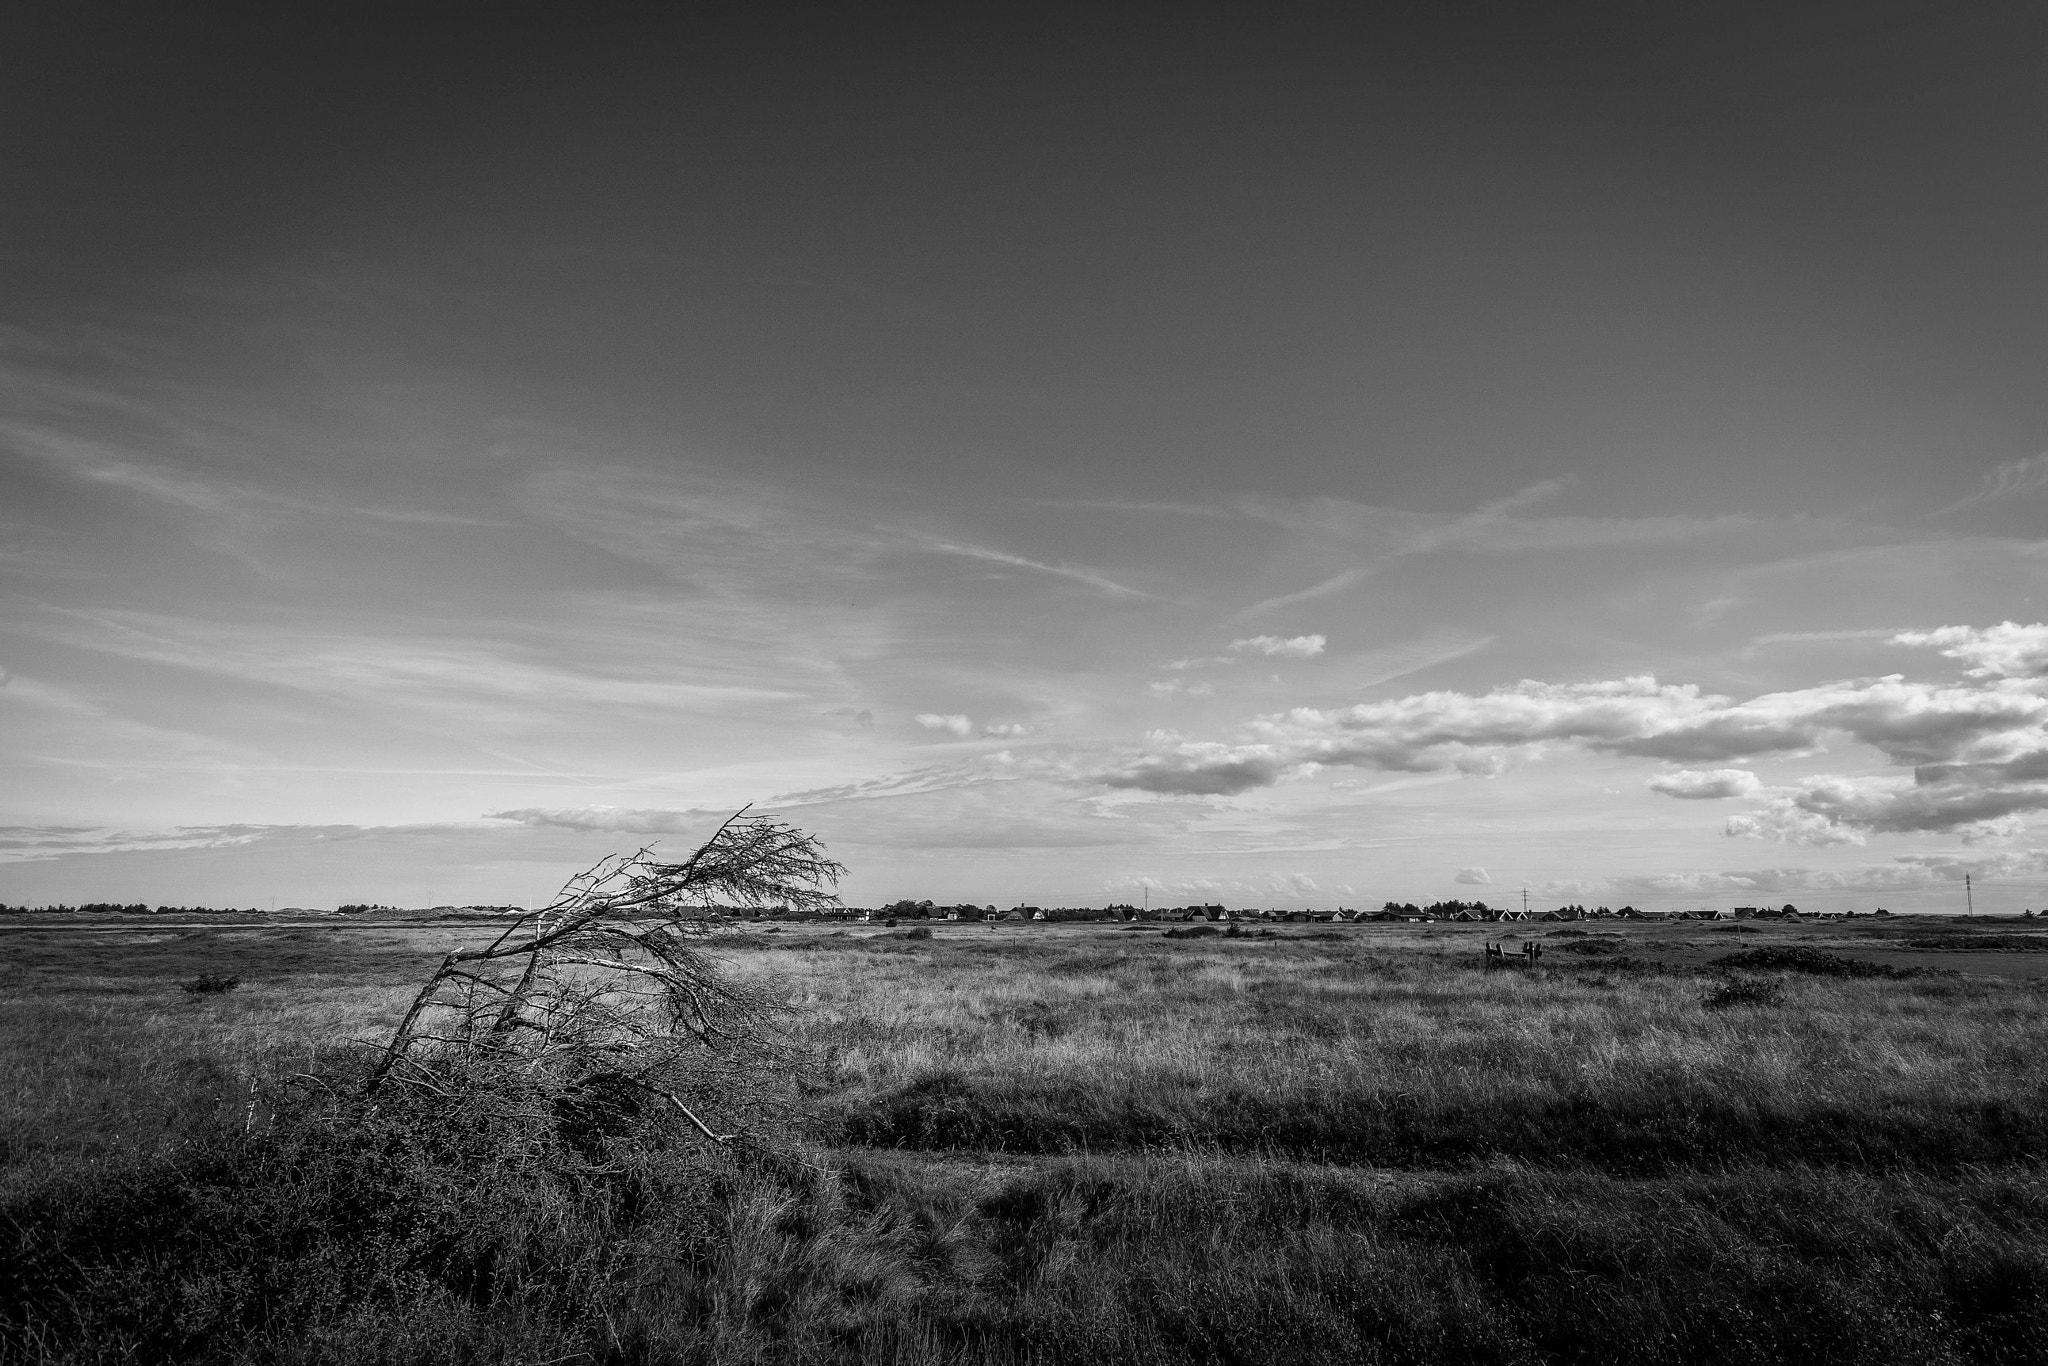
point(1813, 962)
point(1981, 943)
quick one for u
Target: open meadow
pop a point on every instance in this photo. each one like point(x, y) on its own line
point(1079, 1142)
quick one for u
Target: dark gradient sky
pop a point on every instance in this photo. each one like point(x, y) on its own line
point(983, 366)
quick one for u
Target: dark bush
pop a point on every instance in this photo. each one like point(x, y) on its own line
point(1193, 932)
point(212, 984)
point(1744, 991)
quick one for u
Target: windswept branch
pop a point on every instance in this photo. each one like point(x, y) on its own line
point(611, 968)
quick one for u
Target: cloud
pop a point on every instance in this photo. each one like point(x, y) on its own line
point(1835, 810)
point(2007, 650)
point(1336, 583)
point(1293, 647)
point(1202, 769)
point(21, 843)
point(1695, 784)
point(631, 822)
point(1099, 582)
point(1979, 750)
point(1900, 874)
point(1187, 886)
point(1294, 884)
point(1173, 687)
point(2009, 480)
point(953, 723)
point(1474, 877)
point(1005, 730)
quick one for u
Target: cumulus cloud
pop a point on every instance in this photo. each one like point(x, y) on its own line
point(1979, 750)
point(1695, 784)
point(953, 724)
point(1289, 647)
point(1474, 877)
point(1005, 730)
point(1834, 810)
point(1173, 687)
point(2007, 650)
point(1294, 884)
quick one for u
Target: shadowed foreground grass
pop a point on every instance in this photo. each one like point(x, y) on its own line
point(1103, 1147)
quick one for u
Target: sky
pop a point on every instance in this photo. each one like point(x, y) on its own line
point(1316, 459)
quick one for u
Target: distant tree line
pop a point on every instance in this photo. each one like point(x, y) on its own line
point(117, 908)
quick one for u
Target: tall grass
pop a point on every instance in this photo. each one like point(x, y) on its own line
point(1095, 1147)
point(1418, 1061)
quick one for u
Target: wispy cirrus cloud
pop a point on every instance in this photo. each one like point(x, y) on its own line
point(1704, 784)
point(1377, 536)
point(2013, 479)
point(1101, 583)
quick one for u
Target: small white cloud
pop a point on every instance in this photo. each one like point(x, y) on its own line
point(1702, 784)
point(1004, 730)
point(1290, 647)
point(1173, 687)
point(1474, 877)
point(1294, 884)
point(954, 723)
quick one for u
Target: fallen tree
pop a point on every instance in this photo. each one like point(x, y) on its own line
point(582, 1013)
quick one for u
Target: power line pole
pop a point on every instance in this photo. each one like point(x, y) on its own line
point(1969, 899)
point(1525, 899)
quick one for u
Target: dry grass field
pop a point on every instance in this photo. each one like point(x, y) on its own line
point(1071, 1143)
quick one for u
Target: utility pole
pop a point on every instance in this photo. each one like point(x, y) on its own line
point(1969, 899)
point(1525, 899)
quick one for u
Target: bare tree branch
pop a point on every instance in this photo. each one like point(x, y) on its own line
point(612, 969)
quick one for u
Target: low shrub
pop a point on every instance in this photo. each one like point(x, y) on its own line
point(1981, 943)
point(1193, 932)
point(1744, 991)
point(1594, 946)
point(212, 984)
